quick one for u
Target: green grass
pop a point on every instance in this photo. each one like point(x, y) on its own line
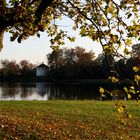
point(47, 120)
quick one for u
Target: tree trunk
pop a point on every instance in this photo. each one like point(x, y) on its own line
point(1, 39)
point(2, 27)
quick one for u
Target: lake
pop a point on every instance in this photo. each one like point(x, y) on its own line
point(47, 91)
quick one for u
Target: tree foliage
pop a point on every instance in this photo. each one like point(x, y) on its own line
point(70, 56)
point(70, 63)
point(12, 68)
point(112, 23)
point(9, 67)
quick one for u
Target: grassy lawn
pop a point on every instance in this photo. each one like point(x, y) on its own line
point(63, 120)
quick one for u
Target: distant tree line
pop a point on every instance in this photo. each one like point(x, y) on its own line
point(13, 69)
point(76, 63)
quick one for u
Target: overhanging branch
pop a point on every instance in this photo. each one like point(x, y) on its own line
point(41, 9)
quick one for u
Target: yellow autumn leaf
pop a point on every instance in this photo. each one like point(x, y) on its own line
point(135, 69)
point(137, 91)
point(114, 38)
point(132, 87)
point(109, 50)
point(129, 116)
point(125, 89)
point(101, 90)
point(114, 79)
point(132, 91)
point(120, 109)
point(105, 47)
point(126, 51)
point(102, 95)
point(128, 42)
point(128, 96)
point(137, 78)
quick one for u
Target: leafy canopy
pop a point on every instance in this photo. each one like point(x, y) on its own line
point(111, 22)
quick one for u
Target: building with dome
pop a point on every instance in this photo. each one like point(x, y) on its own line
point(42, 70)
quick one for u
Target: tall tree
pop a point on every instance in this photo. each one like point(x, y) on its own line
point(55, 59)
point(70, 56)
point(73, 62)
point(26, 68)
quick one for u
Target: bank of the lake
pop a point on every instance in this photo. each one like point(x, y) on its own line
point(34, 79)
point(45, 120)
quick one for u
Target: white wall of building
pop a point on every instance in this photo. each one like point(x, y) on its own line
point(41, 71)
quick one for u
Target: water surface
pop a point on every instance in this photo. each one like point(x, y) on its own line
point(47, 91)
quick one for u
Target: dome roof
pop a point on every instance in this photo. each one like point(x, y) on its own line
point(42, 66)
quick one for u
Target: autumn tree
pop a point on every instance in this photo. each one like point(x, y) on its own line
point(12, 68)
point(60, 57)
point(112, 23)
point(55, 59)
point(72, 62)
point(26, 68)
point(9, 68)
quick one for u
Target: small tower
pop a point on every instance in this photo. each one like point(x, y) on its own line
point(42, 70)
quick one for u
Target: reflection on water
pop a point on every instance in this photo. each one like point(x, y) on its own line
point(46, 91)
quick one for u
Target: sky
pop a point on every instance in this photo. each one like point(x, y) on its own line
point(35, 49)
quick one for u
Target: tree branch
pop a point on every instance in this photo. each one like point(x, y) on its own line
point(41, 9)
point(1, 39)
